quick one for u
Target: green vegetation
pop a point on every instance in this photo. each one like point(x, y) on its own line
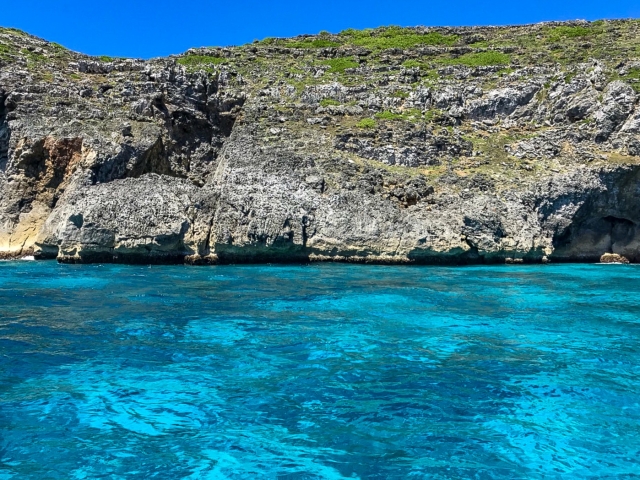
point(493, 146)
point(505, 71)
point(633, 77)
point(558, 33)
point(353, 33)
point(413, 63)
point(633, 74)
point(296, 71)
point(13, 31)
point(202, 61)
point(339, 65)
point(322, 41)
point(366, 123)
point(388, 115)
point(32, 57)
point(480, 44)
point(105, 58)
point(535, 44)
point(433, 114)
point(400, 94)
point(313, 43)
point(412, 114)
point(481, 59)
point(5, 51)
point(325, 102)
point(395, 37)
point(428, 74)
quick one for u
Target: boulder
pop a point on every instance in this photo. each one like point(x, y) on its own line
point(613, 258)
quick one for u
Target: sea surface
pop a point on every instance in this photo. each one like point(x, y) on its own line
point(319, 372)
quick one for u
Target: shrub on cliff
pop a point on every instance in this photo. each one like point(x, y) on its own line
point(366, 123)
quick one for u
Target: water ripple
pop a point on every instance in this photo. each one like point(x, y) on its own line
point(319, 372)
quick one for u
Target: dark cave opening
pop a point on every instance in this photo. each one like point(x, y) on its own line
point(589, 238)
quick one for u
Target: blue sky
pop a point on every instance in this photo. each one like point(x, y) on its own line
point(145, 28)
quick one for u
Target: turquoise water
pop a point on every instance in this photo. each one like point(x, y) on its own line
point(319, 372)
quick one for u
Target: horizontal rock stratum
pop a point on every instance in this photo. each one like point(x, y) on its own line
point(392, 145)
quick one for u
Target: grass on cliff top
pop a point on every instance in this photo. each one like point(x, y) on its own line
point(555, 34)
point(13, 31)
point(313, 43)
point(609, 40)
point(375, 39)
point(200, 61)
point(322, 41)
point(57, 47)
point(395, 37)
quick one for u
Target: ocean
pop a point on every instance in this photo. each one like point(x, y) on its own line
point(323, 371)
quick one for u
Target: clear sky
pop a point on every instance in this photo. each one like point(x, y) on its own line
point(151, 28)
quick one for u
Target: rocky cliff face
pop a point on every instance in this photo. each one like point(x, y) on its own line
point(423, 145)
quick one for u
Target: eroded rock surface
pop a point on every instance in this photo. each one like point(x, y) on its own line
point(613, 258)
point(465, 145)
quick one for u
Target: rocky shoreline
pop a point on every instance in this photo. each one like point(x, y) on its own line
point(448, 146)
point(197, 260)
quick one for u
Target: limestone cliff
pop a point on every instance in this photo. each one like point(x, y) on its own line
point(398, 145)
